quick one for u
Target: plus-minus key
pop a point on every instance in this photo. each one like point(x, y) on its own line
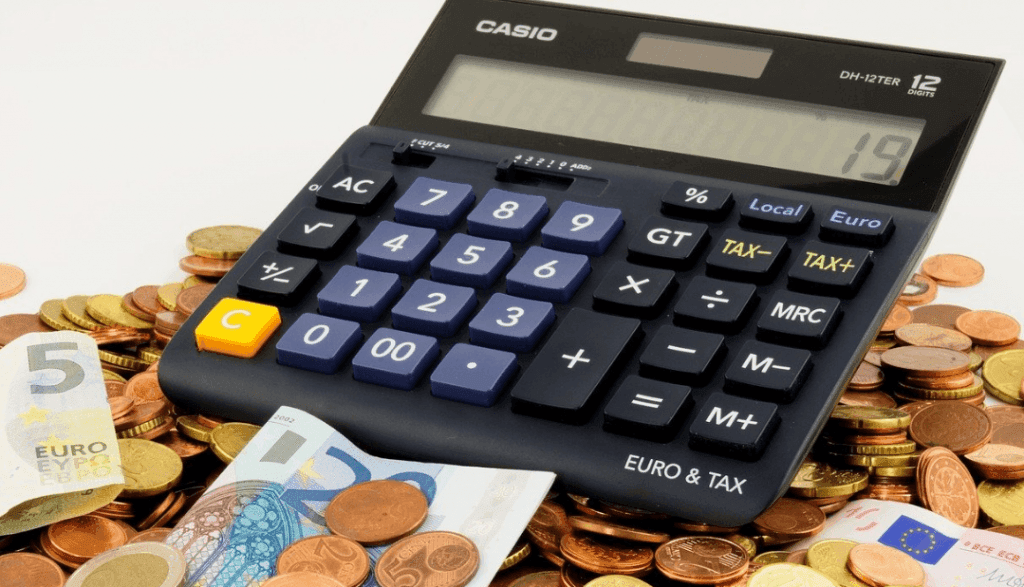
point(570, 371)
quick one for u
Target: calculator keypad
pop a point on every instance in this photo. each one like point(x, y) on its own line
point(697, 325)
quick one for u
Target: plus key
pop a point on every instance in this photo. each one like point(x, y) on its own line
point(565, 379)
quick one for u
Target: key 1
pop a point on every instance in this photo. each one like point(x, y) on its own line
point(358, 294)
point(568, 373)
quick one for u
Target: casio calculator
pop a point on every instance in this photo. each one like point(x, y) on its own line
point(645, 254)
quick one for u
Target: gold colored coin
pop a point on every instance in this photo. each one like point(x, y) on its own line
point(901, 448)
point(229, 438)
point(788, 575)
point(146, 564)
point(1002, 501)
point(617, 581)
point(119, 360)
point(190, 426)
point(107, 309)
point(1003, 372)
point(828, 557)
point(149, 468)
point(822, 480)
point(52, 315)
point(167, 294)
point(869, 418)
point(74, 309)
point(770, 557)
point(520, 551)
point(221, 242)
point(109, 375)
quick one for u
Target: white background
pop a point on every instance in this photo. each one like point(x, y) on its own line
point(124, 125)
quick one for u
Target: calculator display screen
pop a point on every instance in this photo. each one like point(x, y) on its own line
point(784, 134)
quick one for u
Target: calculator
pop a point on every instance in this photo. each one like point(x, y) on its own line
point(644, 253)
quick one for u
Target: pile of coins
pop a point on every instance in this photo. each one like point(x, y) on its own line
point(911, 427)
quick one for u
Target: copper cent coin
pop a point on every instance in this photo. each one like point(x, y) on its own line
point(791, 519)
point(79, 539)
point(880, 565)
point(942, 315)
point(958, 426)
point(25, 569)
point(926, 360)
point(946, 487)
point(935, 336)
point(302, 579)
point(377, 512)
point(989, 328)
point(337, 557)
point(702, 560)
point(12, 280)
point(206, 266)
point(898, 316)
point(921, 289)
point(605, 556)
point(953, 270)
point(1007, 425)
point(190, 298)
point(609, 528)
point(428, 559)
point(14, 325)
point(547, 526)
point(144, 387)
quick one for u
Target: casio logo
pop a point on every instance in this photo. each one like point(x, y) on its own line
point(521, 31)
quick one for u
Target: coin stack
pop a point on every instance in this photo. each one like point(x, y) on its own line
point(874, 438)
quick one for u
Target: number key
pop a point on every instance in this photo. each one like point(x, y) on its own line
point(434, 203)
point(358, 294)
point(507, 215)
point(437, 309)
point(397, 247)
point(548, 275)
point(318, 343)
point(510, 323)
point(393, 358)
point(581, 228)
point(471, 261)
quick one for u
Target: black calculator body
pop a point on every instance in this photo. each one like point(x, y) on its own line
point(646, 254)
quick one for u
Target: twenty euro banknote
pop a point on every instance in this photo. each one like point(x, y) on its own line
point(275, 493)
point(58, 454)
point(950, 554)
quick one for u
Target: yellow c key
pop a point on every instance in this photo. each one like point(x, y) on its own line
point(237, 328)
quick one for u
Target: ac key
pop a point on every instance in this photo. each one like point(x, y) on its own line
point(634, 290)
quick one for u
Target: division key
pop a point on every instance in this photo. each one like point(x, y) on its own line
point(576, 364)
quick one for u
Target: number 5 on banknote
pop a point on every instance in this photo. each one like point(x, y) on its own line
point(39, 360)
